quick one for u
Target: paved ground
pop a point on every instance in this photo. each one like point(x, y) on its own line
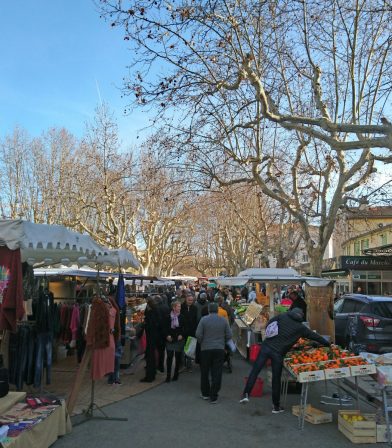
point(173, 416)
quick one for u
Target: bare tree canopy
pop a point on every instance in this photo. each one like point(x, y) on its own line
point(320, 68)
point(290, 96)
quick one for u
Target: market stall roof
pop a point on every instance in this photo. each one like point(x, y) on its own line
point(139, 280)
point(43, 244)
point(280, 275)
point(184, 278)
point(71, 272)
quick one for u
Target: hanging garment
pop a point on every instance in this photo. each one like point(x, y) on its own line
point(11, 288)
point(103, 358)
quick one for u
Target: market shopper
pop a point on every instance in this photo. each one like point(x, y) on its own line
point(282, 332)
point(163, 313)
point(252, 295)
point(152, 330)
point(174, 341)
point(189, 314)
point(213, 332)
point(201, 302)
point(298, 302)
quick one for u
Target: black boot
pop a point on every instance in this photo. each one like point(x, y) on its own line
point(175, 376)
point(168, 378)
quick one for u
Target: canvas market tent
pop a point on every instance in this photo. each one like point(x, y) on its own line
point(43, 244)
point(270, 275)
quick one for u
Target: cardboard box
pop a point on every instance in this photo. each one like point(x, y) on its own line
point(308, 377)
point(313, 415)
point(358, 431)
point(366, 369)
point(384, 375)
point(382, 433)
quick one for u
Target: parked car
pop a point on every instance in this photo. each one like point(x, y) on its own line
point(364, 323)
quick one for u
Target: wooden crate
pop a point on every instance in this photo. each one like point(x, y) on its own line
point(313, 415)
point(357, 432)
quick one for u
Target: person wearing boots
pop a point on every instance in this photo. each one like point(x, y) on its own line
point(174, 341)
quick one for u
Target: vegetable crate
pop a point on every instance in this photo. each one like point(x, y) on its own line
point(313, 415)
point(357, 431)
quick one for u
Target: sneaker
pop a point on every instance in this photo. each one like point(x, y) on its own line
point(244, 399)
point(213, 401)
point(204, 397)
point(277, 410)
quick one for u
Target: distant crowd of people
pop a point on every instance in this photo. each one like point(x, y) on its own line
point(207, 315)
point(170, 320)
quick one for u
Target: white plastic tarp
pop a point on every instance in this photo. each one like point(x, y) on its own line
point(120, 257)
point(43, 244)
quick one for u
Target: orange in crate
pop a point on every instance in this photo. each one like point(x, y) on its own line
point(257, 390)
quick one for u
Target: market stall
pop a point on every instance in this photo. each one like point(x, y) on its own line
point(27, 339)
point(319, 295)
point(308, 365)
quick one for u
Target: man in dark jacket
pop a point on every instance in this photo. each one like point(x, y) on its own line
point(189, 314)
point(298, 302)
point(282, 332)
point(163, 312)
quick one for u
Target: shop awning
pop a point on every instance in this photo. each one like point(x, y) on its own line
point(43, 244)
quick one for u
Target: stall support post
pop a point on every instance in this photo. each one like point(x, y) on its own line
point(302, 406)
point(387, 410)
point(270, 295)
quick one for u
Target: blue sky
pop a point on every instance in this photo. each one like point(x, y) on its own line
point(53, 55)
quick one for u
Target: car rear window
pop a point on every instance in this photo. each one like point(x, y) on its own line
point(352, 306)
point(383, 309)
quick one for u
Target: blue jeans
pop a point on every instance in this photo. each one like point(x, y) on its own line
point(277, 366)
point(114, 376)
point(44, 347)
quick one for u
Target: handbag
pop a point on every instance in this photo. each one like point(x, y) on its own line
point(190, 347)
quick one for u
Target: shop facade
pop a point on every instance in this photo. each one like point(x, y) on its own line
point(372, 274)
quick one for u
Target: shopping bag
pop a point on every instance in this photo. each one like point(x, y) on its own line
point(190, 347)
point(231, 345)
point(254, 351)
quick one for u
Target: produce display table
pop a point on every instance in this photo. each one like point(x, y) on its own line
point(311, 365)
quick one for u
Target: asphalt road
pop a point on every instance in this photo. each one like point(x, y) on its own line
point(174, 416)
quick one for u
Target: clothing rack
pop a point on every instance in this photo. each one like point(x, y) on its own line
point(89, 412)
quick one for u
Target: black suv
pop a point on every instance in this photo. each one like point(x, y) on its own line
point(364, 323)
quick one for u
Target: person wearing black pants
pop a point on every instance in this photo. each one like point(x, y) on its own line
point(151, 327)
point(213, 332)
point(282, 332)
point(174, 341)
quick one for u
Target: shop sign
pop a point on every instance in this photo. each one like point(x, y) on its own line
point(366, 263)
